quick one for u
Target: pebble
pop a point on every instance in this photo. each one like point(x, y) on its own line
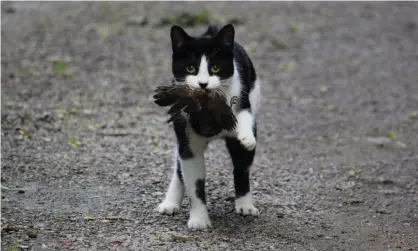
point(378, 140)
point(32, 233)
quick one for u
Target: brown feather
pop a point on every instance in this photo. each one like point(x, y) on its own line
point(209, 111)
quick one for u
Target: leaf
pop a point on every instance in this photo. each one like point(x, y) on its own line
point(94, 127)
point(24, 132)
point(75, 143)
point(330, 107)
point(291, 66)
point(88, 218)
point(116, 242)
point(20, 71)
point(153, 143)
point(67, 244)
point(74, 111)
point(351, 172)
point(391, 134)
point(401, 144)
point(14, 247)
point(323, 89)
point(297, 27)
point(59, 67)
point(181, 238)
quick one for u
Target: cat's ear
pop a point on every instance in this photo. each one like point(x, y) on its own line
point(178, 36)
point(226, 35)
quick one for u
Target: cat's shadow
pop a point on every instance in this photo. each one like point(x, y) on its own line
point(271, 224)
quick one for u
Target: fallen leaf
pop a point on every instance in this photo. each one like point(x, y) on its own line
point(116, 242)
point(94, 127)
point(67, 244)
point(331, 107)
point(412, 115)
point(323, 89)
point(291, 66)
point(74, 111)
point(75, 143)
point(297, 27)
point(59, 67)
point(401, 144)
point(88, 218)
point(391, 134)
point(181, 238)
point(153, 143)
point(24, 132)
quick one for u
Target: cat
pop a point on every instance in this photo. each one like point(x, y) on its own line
point(212, 60)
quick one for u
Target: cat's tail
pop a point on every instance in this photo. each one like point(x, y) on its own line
point(212, 30)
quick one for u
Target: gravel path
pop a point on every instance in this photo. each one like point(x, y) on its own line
point(86, 155)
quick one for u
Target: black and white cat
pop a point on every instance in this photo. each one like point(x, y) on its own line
point(213, 60)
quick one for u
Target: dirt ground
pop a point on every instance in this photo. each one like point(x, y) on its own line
point(86, 154)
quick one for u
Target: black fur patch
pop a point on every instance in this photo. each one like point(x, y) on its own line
point(180, 127)
point(179, 172)
point(188, 51)
point(242, 160)
point(200, 190)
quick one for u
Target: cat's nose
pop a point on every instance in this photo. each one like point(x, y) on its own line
point(203, 85)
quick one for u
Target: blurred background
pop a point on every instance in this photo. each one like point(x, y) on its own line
point(86, 154)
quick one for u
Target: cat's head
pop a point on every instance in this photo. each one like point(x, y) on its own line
point(203, 62)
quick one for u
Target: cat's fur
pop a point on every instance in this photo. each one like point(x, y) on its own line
point(236, 75)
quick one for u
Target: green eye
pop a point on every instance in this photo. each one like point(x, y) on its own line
point(214, 68)
point(190, 69)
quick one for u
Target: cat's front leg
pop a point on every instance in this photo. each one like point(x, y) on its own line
point(191, 149)
point(242, 151)
point(193, 169)
point(245, 130)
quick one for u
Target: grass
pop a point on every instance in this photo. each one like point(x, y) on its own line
point(75, 143)
point(14, 247)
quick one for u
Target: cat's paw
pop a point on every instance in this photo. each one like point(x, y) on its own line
point(244, 206)
point(247, 210)
point(197, 223)
point(247, 140)
point(168, 207)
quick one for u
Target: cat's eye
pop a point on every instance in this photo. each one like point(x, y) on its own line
point(191, 69)
point(214, 68)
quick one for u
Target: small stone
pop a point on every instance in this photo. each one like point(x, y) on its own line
point(32, 233)
point(378, 140)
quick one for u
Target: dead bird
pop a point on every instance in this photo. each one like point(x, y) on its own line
point(208, 110)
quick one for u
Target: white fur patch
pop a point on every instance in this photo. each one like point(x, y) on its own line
point(255, 98)
point(199, 218)
point(203, 76)
point(245, 130)
point(193, 170)
point(175, 193)
point(244, 206)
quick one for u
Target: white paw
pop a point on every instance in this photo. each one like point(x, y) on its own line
point(167, 207)
point(244, 206)
point(247, 140)
point(247, 210)
point(199, 222)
